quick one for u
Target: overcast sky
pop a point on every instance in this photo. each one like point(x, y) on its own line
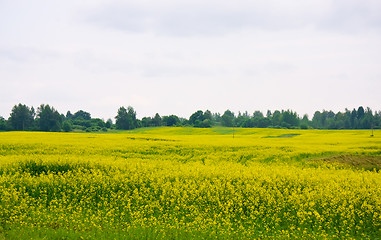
point(177, 57)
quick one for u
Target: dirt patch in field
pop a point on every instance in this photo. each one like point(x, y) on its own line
point(358, 161)
point(284, 135)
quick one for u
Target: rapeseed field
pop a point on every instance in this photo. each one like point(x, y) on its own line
point(189, 183)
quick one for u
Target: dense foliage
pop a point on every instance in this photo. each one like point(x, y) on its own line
point(23, 118)
point(190, 183)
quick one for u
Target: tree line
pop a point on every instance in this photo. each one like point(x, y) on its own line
point(47, 118)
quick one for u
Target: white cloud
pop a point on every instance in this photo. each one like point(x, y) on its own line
point(194, 18)
point(177, 57)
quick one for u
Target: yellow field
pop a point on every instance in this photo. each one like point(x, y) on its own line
point(191, 183)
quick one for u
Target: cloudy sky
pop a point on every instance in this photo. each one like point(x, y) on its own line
point(176, 57)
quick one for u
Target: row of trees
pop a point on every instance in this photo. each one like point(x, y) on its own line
point(355, 119)
point(46, 118)
point(24, 118)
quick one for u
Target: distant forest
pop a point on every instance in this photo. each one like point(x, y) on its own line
point(47, 118)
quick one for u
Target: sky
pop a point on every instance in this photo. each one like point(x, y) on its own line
point(177, 57)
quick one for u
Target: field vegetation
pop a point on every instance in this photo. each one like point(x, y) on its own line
point(48, 119)
point(187, 183)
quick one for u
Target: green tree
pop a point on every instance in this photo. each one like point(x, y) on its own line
point(268, 114)
point(197, 118)
point(67, 126)
point(340, 120)
point(171, 120)
point(304, 122)
point(121, 120)
point(132, 115)
point(316, 120)
point(367, 120)
point(146, 122)
point(208, 115)
point(126, 118)
point(22, 117)
point(290, 119)
point(347, 119)
point(3, 124)
point(80, 120)
point(241, 119)
point(227, 119)
point(360, 112)
point(353, 119)
point(276, 118)
point(207, 123)
point(108, 123)
point(248, 123)
point(69, 115)
point(82, 115)
point(258, 114)
point(97, 122)
point(157, 120)
point(216, 117)
point(258, 119)
point(263, 122)
point(377, 120)
point(48, 119)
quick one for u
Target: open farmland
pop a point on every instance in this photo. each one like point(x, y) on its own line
point(185, 183)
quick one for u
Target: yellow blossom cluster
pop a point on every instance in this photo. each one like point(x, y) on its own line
point(190, 183)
